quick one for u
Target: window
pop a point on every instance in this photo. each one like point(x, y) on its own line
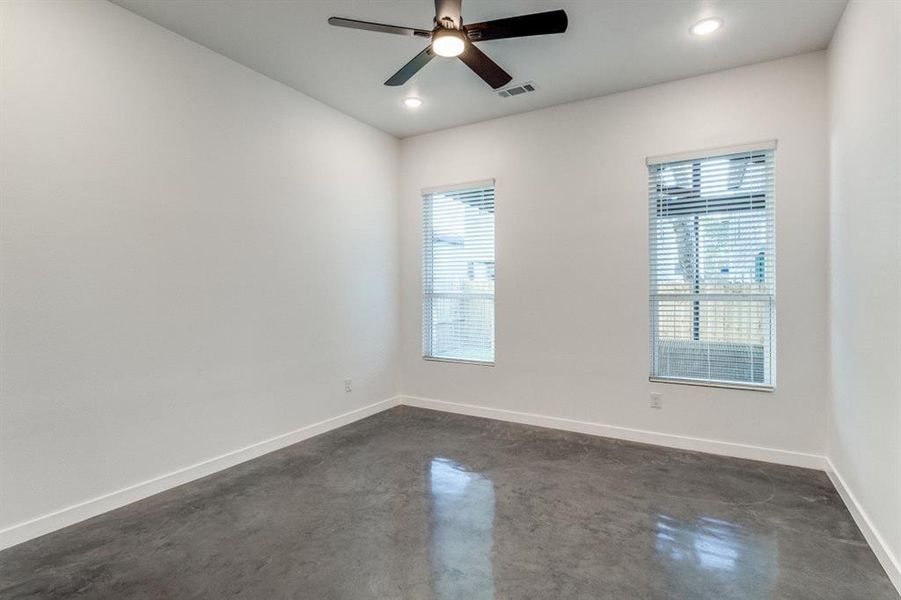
point(712, 268)
point(458, 273)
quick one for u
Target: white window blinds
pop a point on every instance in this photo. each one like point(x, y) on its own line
point(458, 274)
point(712, 269)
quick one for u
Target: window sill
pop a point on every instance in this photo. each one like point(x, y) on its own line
point(461, 361)
point(715, 384)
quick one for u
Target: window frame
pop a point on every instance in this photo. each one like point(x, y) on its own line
point(426, 324)
point(768, 198)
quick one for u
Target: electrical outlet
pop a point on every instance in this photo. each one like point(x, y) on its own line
point(656, 400)
point(348, 385)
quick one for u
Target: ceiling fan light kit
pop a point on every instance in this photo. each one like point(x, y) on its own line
point(448, 43)
point(451, 38)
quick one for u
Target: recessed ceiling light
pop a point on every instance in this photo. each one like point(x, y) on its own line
point(412, 102)
point(706, 26)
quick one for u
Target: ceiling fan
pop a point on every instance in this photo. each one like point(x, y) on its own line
point(450, 37)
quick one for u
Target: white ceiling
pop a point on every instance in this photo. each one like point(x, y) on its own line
point(610, 46)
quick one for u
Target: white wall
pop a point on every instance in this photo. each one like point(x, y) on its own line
point(193, 258)
point(865, 137)
point(572, 316)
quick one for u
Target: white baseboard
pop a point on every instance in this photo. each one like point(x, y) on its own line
point(22, 532)
point(889, 561)
point(772, 455)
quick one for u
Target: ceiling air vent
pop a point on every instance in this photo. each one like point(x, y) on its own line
point(517, 90)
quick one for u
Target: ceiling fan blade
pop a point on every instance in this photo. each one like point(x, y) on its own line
point(554, 21)
point(484, 67)
point(411, 68)
point(448, 9)
point(379, 27)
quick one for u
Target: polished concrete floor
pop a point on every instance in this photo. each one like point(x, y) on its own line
point(418, 504)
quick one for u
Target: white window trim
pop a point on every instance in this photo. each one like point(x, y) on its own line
point(460, 361)
point(711, 152)
point(750, 387)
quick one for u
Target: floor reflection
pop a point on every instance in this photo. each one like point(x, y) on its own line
point(462, 523)
point(724, 553)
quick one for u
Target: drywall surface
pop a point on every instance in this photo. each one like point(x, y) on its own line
point(194, 257)
point(572, 255)
point(865, 139)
